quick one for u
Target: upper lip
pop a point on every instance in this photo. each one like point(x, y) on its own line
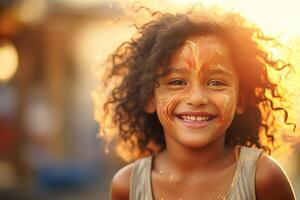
point(195, 114)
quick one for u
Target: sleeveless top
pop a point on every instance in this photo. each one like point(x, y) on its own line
point(242, 186)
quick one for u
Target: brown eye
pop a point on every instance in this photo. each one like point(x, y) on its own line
point(215, 83)
point(177, 82)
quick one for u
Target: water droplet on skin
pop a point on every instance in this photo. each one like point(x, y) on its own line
point(160, 171)
point(106, 150)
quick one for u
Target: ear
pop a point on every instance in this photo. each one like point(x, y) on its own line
point(240, 108)
point(150, 106)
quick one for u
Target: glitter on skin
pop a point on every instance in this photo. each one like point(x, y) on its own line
point(171, 176)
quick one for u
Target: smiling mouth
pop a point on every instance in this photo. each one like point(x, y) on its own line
point(195, 119)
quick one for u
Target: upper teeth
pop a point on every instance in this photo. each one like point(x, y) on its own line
point(195, 118)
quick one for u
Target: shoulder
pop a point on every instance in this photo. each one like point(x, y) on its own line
point(120, 184)
point(271, 180)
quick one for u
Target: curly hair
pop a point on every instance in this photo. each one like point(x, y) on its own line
point(134, 69)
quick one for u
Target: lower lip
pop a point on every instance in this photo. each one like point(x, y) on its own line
point(194, 124)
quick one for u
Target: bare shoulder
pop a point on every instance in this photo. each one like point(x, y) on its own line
point(120, 184)
point(271, 180)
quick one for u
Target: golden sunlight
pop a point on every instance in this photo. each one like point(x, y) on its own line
point(8, 61)
point(275, 18)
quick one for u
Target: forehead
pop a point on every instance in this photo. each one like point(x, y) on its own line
point(210, 49)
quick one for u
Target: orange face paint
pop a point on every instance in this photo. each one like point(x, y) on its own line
point(166, 103)
point(201, 79)
point(196, 55)
point(225, 108)
point(191, 55)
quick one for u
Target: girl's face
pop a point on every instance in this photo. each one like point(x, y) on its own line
point(197, 100)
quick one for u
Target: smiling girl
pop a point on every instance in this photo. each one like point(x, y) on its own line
point(191, 109)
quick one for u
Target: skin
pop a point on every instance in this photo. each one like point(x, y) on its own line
point(196, 163)
point(196, 57)
point(227, 104)
point(208, 85)
point(271, 182)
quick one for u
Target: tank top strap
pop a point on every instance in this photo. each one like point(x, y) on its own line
point(246, 169)
point(243, 185)
point(140, 183)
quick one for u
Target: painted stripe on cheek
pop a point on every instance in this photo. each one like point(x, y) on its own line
point(225, 110)
point(166, 106)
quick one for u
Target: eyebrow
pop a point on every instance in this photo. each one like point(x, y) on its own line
point(218, 70)
point(178, 70)
point(210, 70)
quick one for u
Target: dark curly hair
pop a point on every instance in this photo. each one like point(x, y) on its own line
point(133, 71)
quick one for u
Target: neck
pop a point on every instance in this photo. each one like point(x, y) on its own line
point(189, 160)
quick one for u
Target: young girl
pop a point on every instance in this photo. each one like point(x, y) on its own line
point(192, 96)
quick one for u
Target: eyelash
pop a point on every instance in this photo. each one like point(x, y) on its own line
point(216, 83)
point(177, 82)
point(212, 83)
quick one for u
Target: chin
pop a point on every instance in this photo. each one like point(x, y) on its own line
point(199, 141)
point(195, 143)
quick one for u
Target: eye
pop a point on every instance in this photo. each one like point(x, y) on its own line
point(177, 82)
point(216, 83)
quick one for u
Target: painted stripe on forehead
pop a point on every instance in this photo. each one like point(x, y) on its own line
point(196, 55)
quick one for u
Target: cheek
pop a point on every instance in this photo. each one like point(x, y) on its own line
point(165, 104)
point(226, 106)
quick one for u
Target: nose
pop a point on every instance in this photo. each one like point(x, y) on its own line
point(197, 96)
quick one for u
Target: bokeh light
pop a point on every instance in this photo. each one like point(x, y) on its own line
point(32, 11)
point(8, 61)
point(51, 55)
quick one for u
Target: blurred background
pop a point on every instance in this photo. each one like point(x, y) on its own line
point(50, 52)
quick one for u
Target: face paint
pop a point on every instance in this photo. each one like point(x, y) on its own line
point(192, 111)
point(225, 108)
point(166, 106)
point(191, 55)
point(196, 55)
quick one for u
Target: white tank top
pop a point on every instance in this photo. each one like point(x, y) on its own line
point(242, 186)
